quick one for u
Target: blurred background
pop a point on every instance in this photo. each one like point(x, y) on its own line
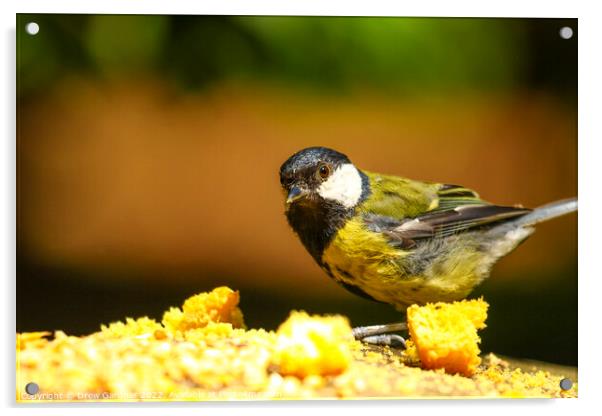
point(148, 152)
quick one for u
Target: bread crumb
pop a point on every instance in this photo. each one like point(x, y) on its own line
point(313, 345)
point(445, 334)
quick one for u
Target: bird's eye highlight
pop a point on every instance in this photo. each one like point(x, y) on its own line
point(324, 171)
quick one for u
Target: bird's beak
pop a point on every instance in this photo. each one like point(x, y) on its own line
point(294, 194)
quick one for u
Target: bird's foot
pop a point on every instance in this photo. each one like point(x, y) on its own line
point(380, 334)
point(389, 340)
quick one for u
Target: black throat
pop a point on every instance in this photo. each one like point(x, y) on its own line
point(317, 222)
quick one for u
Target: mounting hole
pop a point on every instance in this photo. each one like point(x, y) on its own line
point(566, 32)
point(32, 28)
point(32, 388)
point(566, 384)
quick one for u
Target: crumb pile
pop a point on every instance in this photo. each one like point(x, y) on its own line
point(203, 351)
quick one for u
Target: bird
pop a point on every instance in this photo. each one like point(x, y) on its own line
point(396, 240)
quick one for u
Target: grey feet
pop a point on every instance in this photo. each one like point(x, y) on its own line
point(380, 334)
point(390, 340)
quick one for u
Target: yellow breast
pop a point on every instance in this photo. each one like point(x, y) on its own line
point(363, 258)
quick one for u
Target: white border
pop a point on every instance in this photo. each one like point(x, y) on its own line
point(590, 136)
point(509, 8)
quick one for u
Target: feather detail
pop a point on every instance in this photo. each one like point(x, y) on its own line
point(445, 223)
point(452, 196)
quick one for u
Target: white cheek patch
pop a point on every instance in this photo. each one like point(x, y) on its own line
point(343, 186)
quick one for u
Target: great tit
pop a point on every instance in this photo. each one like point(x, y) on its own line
point(397, 240)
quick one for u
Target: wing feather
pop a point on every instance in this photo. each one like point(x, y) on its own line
point(461, 218)
point(457, 209)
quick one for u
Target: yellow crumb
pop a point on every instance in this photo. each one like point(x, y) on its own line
point(313, 345)
point(410, 353)
point(32, 339)
point(445, 334)
point(213, 330)
point(218, 306)
point(132, 327)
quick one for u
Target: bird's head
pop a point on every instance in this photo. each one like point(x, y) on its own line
point(317, 175)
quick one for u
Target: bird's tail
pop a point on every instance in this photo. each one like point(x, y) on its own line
point(541, 214)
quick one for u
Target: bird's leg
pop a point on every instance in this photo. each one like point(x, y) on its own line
point(380, 334)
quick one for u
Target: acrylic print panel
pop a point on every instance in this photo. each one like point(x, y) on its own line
point(166, 251)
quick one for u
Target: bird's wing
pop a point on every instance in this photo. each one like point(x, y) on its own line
point(444, 210)
point(399, 198)
point(402, 198)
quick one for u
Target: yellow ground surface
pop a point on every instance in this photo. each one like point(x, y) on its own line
point(203, 351)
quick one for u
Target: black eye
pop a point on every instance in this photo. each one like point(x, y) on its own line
point(287, 181)
point(324, 171)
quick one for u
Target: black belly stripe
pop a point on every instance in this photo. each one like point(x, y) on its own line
point(357, 291)
point(345, 273)
point(350, 287)
point(326, 268)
